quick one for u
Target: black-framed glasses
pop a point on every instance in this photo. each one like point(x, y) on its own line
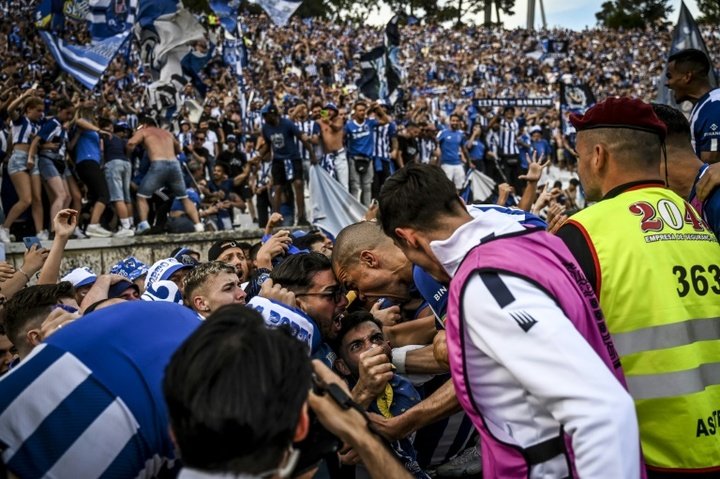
point(336, 294)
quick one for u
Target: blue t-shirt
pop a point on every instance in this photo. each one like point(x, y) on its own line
point(450, 142)
point(114, 149)
point(477, 152)
point(542, 147)
point(710, 207)
point(87, 147)
point(524, 152)
point(705, 122)
point(281, 139)
point(360, 138)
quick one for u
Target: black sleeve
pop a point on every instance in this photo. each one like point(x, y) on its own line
point(576, 242)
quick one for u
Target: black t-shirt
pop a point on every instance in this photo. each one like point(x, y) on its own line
point(409, 148)
point(234, 160)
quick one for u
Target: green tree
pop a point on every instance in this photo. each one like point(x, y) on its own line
point(710, 10)
point(633, 13)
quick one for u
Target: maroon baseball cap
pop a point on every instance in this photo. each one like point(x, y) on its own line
point(620, 112)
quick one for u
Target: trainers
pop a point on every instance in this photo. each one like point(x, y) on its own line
point(97, 231)
point(466, 464)
point(124, 233)
point(43, 235)
point(5, 235)
point(199, 227)
point(142, 226)
point(79, 234)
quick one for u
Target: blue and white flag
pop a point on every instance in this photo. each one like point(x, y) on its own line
point(381, 71)
point(86, 63)
point(165, 34)
point(686, 34)
point(280, 11)
point(227, 13)
point(107, 18)
point(332, 206)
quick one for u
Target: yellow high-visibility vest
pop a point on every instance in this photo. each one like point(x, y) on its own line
point(659, 286)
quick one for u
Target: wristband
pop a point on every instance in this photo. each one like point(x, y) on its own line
point(26, 275)
point(398, 359)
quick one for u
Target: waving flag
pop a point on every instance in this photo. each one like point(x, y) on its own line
point(332, 207)
point(381, 71)
point(165, 32)
point(280, 11)
point(109, 23)
point(227, 12)
point(108, 18)
point(86, 63)
point(685, 35)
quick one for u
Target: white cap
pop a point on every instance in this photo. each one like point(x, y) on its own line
point(162, 270)
point(80, 277)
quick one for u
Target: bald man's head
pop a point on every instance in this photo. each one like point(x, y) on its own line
point(366, 235)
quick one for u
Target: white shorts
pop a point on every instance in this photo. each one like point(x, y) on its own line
point(456, 174)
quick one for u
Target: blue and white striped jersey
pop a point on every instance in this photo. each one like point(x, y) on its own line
point(383, 135)
point(508, 137)
point(23, 130)
point(88, 402)
point(52, 131)
point(309, 128)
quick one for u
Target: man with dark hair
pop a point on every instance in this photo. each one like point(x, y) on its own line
point(162, 149)
point(359, 137)
point(231, 408)
point(687, 76)
point(361, 336)
point(237, 397)
point(682, 168)
point(654, 234)
point(212, 285)
point(26, 311)
point(280, 134)
point(451, 153)
point(319, 297)
point(230, 252)
point(513, 287)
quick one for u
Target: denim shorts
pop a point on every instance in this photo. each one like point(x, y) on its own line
point(163, 173)
point(117, 176)
point(48, 169)
point(18, 163)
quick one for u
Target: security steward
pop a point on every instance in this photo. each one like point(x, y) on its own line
point(655, 266)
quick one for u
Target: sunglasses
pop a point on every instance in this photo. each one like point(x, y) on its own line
point(335, 294)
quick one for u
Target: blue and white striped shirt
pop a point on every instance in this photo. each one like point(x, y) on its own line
point(23, 130)
point(52, 131)
point(309, 128)
point(88, 402)
point(383, 135)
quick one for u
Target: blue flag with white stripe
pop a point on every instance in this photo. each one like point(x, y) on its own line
point(280, 11)
point(108, 18)
point(86, 63)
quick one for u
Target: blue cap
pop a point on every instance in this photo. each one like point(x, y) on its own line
point(331, 106)
point(130, 267)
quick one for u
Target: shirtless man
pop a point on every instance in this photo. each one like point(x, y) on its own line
point(331, 134)
point(162, 149)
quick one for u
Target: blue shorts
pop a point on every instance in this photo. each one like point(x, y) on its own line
point(117, 176)
point(18, 163)
point(163, 173)
point(49, 168)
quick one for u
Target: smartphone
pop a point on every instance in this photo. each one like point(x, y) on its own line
point(31, 240)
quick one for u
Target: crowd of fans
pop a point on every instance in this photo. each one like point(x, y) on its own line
point(443, 333)
point(308, 71)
